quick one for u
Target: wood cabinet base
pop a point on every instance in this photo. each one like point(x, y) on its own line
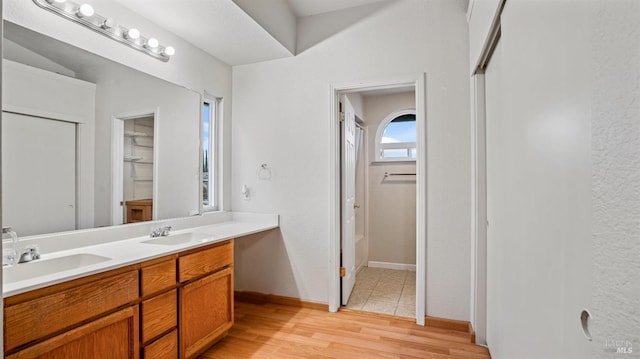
point(174, 306)
point(93, 340)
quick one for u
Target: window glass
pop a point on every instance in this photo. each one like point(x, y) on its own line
point(209, 155)
point(394, 153)
point(401, 129)
point(398, 139)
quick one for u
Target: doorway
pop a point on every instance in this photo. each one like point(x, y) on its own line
point(385, 201)
point(134, 168)
point(343, 223)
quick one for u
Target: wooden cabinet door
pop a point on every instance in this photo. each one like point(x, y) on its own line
point(114, 336)
point(51, 309)
point(206, 312)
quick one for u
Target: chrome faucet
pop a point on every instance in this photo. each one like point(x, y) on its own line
point(17, 255)
point(29, 254)
point(13, 257)
point(160, 232)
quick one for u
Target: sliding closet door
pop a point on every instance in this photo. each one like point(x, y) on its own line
point(496, 245)
point(539, 182)
point(38, 174)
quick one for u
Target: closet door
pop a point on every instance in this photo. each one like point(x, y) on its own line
point(539, 182)
point(38, 174)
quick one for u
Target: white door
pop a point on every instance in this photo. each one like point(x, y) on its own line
point(348, 169)
point(38, 174)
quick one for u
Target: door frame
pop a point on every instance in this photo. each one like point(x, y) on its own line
point(478, 304)
point(418, 81)
point(117, 165)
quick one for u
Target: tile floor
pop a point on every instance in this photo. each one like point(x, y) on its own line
point(385, 291)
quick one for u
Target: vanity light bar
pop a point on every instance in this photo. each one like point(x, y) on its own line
point(84, 14)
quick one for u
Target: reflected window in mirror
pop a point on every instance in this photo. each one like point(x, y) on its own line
point(210, 155)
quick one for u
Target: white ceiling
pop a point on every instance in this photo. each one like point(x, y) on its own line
point(218, 27)
point(304, 8)
point(224, 30)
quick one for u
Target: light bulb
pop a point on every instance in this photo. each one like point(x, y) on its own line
point(152, 43)
point(85, 10)
point(108, 23)
point(169, 51)
point(132, 34)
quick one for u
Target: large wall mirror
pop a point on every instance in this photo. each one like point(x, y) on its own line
point(87, 142)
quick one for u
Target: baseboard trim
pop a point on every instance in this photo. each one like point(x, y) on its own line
point(451, 324)
point(472, 334)
point(262, 298)
point(388, 265)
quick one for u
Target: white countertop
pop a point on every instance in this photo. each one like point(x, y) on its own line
point(125, 252)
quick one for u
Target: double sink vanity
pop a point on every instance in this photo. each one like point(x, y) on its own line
point(109, 134)
point(130, 295)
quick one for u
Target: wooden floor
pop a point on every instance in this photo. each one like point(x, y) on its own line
point(279, 331)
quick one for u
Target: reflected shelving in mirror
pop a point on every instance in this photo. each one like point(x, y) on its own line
point(105, 92)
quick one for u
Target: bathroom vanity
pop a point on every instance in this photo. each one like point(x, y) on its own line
point(175, 301)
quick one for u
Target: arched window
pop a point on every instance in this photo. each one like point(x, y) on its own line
point(396, 137)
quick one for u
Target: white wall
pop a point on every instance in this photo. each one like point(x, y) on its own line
point(392, 201)
point(614, 35)
point(190, 67)
point(281, 117)
point(14, 52)
point(563, 140)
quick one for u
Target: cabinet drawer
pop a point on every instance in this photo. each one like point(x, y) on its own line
point(57, 310)
point(159, 314)
point(157, 277)
point(163, 348)
point(206, 261)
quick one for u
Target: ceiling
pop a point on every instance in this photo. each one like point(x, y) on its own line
point(223, 29)
point(302, 8)
point(218, 27)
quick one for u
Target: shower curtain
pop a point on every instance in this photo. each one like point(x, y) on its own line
point(359, 135)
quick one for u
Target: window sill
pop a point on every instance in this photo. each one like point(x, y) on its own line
point(206, 209)
point(406, 161)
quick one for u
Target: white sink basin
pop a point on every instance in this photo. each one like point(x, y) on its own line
point(40, 267)
point(181, 238)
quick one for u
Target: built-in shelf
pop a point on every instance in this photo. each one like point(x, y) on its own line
point(143, 145)
point(410, 161)
point(129, 158)
point(136, 134)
